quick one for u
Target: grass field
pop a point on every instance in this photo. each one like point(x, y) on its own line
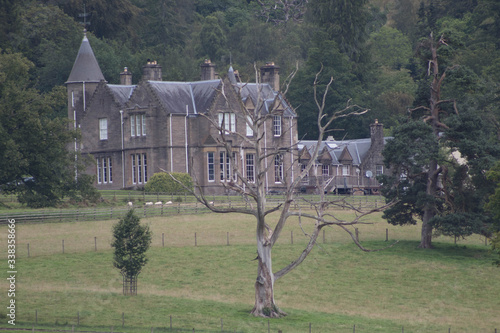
point(450, 287)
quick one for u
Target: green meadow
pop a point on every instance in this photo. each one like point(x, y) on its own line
point(209, 287)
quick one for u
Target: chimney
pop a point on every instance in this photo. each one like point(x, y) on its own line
point(270, 74)
point(126, 77)
point(207, 70)
point(151, 71)
point(377, 133)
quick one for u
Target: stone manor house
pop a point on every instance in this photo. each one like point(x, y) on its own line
point(134, 131)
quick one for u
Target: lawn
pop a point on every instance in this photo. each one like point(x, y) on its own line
point(210, 285)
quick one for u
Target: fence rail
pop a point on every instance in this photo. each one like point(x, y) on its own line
point(159, 204)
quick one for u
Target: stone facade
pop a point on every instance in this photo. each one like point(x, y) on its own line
point(347, 166)
point(134, 131)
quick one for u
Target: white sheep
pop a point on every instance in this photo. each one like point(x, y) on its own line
point(149, 203)
point(159, 203)
point(130, 204)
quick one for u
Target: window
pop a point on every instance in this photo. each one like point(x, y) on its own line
point(278, 168)
point(325, 170)
point(104, 170)
point(277, 125)
point(225, 166)
point(138, 125)
point(379, 170)
point(103, 128)
point(143, 118)
point(139, 168)
point(211, 167)
point(249, 126)
point(227, 121)
point(250, 159)
point(345, 170)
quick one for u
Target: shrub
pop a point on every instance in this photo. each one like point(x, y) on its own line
point(163, 182)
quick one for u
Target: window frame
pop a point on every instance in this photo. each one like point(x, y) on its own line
point(103, 129)
point(277, 126)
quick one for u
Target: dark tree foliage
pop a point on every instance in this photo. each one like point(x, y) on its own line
point(131, 240)
point(343, 21)
point(345, 87)
point(34, 161)
point(115, 19)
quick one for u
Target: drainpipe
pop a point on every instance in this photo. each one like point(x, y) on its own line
point(171, 146)
point(186, 138)
point(76, 147)
point(123, 150)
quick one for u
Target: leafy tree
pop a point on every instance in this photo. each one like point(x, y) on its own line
point(446, 190)
point(48, 38)
point(34, 160)
point(326, 57)
point(131, 240)
point(162, 182)
point(212, 38)
point(343, 21)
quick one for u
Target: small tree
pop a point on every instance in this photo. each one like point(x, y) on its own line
point(162, 182)
point(131, 241)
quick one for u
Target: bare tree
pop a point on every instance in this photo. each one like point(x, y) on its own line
point(254, 191)
point(282, 11)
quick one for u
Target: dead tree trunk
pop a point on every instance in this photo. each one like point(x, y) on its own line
point(437, 126)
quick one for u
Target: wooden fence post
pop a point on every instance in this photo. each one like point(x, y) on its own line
point(162, 239)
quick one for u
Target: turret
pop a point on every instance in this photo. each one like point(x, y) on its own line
point(83, 80)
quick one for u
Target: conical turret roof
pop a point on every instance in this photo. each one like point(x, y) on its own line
point(85, 68)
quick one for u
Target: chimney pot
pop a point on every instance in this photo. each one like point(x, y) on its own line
point(126, 77)
point(207, 70)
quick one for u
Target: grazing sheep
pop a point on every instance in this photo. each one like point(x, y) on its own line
point(168, 203)
point(130, 204)
point(148, 203)
point(159, 203)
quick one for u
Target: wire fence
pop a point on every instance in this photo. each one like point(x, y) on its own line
point(162, 204)
point(266, 327)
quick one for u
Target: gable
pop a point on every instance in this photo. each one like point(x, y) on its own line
point(345, 156)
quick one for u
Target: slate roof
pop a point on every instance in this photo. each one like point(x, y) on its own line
point(174, 96)
point(357, 148)
point(121, 93)
point(266, 94)
point(85, 68)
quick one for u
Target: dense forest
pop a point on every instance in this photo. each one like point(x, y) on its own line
point(372, 48)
